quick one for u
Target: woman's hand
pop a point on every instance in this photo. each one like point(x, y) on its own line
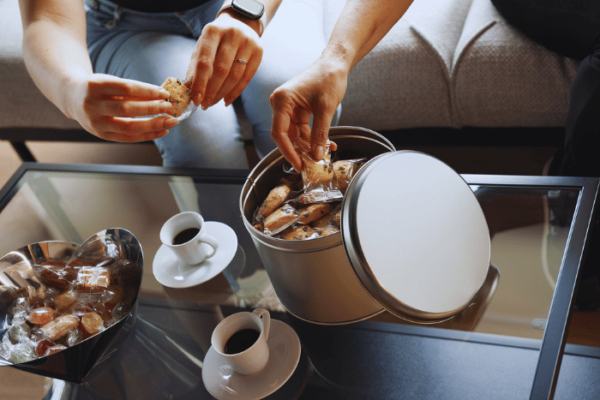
point(214, 67)
point(105, 106)
point(318, 90)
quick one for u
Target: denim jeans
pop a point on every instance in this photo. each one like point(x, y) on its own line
point(150, 47)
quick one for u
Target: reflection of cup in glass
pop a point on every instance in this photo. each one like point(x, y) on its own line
point(185, 234)
point(241, 339)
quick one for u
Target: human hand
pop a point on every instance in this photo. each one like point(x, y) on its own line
point(318, 90)
point(105, 105)
point(216, 73)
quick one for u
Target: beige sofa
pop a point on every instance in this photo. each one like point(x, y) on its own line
point(446, 66)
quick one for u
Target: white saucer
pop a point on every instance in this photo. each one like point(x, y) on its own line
point(171, 272)
point(284, 353)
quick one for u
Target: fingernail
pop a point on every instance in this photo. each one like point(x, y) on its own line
point(197, 99)
point(227, 102)
point(319, 152)
point(164, 93)
point(170, 122)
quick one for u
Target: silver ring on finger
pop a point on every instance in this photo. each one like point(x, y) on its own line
point(241, 61)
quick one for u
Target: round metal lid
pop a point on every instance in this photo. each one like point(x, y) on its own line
point(415, 235)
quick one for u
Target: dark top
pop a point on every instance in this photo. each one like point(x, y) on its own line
point(156, 6)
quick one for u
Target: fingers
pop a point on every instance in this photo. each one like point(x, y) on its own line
point(109, 86)
point(320, 131)
point(136, 130)
point(128, 108)
point(230, 94)
point(202, 65)
point(280, 133)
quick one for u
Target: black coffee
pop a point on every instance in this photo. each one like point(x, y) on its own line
point(241, 340)
point(185, 236)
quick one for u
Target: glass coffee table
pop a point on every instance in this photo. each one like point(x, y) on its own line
point(531, 342)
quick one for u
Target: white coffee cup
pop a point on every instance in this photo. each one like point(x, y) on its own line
point(191, 252)
point(254, 358)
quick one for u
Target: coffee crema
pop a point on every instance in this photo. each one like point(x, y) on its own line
point(241, 341)
point(185, 236)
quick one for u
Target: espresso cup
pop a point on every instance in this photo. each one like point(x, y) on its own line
point(185, 234)
point(241, 339)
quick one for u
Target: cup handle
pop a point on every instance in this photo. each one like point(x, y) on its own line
point(266, 320)
point(211, 241)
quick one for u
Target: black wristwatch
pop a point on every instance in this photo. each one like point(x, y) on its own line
point(251, 9)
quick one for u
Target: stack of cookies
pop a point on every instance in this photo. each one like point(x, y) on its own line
point(307, 208)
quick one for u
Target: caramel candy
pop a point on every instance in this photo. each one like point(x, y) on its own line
point(180, 95)
point(301, 232)
point(92, 279)
point(41, 316)
point(52, 278)
point(314, 172)
point(312, 212)
point(60, 327)
point(65, 300)
point(281, 218)
point(43, 346)
point(54, 349)
point(92, 323)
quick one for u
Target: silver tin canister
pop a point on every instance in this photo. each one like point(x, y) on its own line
point(322, 280)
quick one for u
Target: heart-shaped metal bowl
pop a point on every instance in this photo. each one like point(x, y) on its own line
point(18, 279)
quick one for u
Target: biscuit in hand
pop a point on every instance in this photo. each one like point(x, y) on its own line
point(180, 95)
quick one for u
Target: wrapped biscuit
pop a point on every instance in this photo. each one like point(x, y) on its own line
point(312, 212)
point(328, 231)
point(280, 219)
point(276, 197)
point(331, 220)
point(316, 172)
point(300, 232)
point(344, 171)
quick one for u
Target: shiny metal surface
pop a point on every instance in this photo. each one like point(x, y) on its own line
point(313, 278)
point(432, 239)
point(17, 279)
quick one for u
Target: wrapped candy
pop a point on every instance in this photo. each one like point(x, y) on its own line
point(92, 323)
point(41, 316)
point(92, 279)
point(59, 327)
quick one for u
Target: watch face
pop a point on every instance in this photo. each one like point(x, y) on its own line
point(251, 7)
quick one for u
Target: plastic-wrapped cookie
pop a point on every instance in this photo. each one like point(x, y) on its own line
point(301, 232)
point(315, 172)
point(312, 212)
point(280, 219)
point(276, 197)
point(325, 222)
point(343, 172)
point(180, 95)
point(328, 231)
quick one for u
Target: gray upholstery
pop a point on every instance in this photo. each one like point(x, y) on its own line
point(447, 63)
point(21, 103)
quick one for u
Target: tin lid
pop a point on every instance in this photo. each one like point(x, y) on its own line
point(415, 235)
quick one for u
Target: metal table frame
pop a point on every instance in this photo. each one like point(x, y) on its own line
point(554, 339)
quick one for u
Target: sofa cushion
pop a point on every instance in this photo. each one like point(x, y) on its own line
point(21, 103)
point(502, 78)
point(404, 81)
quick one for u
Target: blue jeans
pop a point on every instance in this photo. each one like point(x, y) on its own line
point(150, 47)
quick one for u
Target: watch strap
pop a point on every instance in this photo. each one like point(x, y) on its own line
point(262, 21)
